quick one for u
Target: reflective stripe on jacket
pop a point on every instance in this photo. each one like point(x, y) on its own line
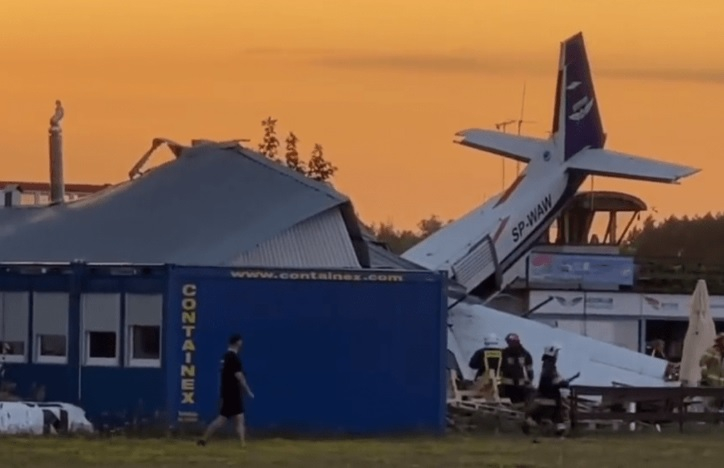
point(517, 367)
point(485, 360)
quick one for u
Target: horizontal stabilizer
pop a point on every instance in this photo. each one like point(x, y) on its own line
point(624, 166)
point(520, 148)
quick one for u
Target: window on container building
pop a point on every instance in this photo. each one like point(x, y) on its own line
point(50, 327)
point(143, 330)
point(14, 315)
point(101, 321)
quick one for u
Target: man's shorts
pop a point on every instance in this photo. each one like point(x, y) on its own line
point(231, 406)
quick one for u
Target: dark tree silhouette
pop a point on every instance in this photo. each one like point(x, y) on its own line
point(400, 240)
point(270, 144)
point(319, 168)
point(693, 240)
point(291, 156)
point(429, 226)
point(697, 240)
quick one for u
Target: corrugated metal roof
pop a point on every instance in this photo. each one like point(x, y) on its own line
point(206, 207)
point(12, 217)
point(320, 242)
point(380, 257)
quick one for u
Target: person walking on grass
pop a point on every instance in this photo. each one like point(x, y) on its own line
point(233, 382)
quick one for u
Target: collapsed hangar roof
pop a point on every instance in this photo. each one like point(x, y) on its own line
point(206, 206)
point(382, 257)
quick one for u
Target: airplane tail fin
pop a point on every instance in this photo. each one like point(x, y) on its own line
point(577, 137)
point(577, 121)
point(578, 128)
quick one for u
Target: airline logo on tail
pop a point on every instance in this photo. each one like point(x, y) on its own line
point(581, 109)
point(583, 106)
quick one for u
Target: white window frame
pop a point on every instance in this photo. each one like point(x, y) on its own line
point(43, 359)
point(40, 358)
point(88, 305)
point(131, 300)
point(139, 362)
point(14, 358)
point(89, 361)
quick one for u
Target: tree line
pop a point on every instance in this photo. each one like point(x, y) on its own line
point(699, 239)
point(400, 240)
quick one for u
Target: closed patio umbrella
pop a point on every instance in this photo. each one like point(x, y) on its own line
point(699, 336)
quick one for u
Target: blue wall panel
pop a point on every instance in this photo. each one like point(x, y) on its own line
point(59, 381)
point(110, 394)
point(364, 357)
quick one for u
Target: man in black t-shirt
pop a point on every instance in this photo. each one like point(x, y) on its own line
point(233, 382)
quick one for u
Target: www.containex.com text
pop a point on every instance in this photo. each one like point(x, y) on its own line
point(316, 276)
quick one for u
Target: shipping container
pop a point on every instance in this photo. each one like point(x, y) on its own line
point(325, 352)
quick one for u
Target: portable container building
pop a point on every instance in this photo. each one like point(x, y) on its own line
point(326, 352)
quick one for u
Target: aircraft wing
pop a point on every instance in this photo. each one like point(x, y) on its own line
point(625, 166)
point(516, 147)
point(600, 363)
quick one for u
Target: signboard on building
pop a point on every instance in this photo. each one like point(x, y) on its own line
point(585, 303)
point(651, 306)
point(580, 269)
point(676, 305)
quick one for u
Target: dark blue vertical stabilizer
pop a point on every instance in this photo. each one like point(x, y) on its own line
point(580, 126)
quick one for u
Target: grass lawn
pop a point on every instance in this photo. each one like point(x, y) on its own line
point(654, 450)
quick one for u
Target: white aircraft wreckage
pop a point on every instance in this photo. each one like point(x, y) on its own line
point(479, 248)
point(23, 417)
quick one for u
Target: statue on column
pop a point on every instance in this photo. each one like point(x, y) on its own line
point(57, 116)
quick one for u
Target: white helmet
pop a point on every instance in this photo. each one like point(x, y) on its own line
point(552, 350)
point(491, 340)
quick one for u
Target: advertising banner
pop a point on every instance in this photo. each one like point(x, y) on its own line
point(580, 269)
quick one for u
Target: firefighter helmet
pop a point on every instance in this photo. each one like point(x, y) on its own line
point(512, 338)
point(552, 350)
point(491, 340)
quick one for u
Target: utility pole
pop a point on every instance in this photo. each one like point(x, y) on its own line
point(502, 126)
point(520, 123)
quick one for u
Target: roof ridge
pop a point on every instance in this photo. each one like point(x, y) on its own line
point(319, 186)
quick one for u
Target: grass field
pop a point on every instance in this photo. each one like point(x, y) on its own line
point(659, 451)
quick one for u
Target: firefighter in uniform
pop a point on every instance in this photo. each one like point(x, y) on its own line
point(549, 403)
point(488, 358)
point(712, 369)
point(517, 370)
point(487, 362)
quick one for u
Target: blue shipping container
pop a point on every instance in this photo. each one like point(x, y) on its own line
point(356, 352)
point(325, 352)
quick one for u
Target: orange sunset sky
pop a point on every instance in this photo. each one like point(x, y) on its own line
point(382, 84)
